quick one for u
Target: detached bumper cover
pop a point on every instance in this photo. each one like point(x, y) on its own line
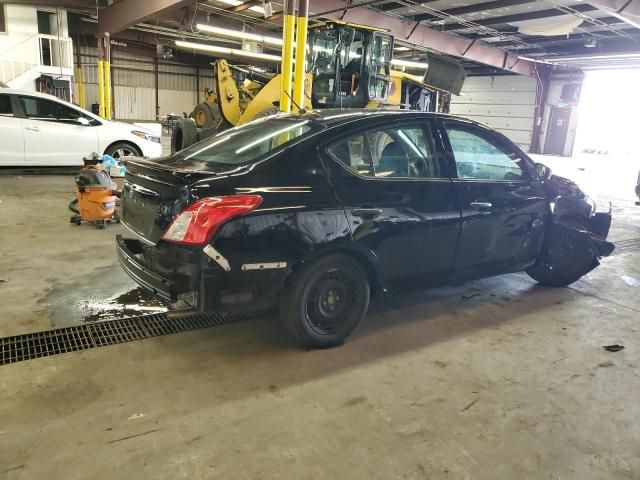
point(160, 284)
point(599, 225)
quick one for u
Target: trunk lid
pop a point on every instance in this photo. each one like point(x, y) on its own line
point(153, 195)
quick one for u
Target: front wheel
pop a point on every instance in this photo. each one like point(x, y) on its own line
point(325, 301)
point(122, 149)
point(566, 256)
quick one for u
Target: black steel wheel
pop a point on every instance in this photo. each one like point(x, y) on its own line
point(566, 256)
point(324, 302)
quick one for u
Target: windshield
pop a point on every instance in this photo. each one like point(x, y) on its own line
point(245, 144)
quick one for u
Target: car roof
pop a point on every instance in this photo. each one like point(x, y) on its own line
point(332, 117)
point(15, 91)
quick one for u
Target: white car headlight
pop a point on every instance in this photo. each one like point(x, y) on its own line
point(146, 136)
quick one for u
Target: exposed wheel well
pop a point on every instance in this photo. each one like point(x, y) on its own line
point(127, 142)
point(362, 260)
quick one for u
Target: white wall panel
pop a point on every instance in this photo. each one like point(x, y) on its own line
point(174, 101)
point(506, 103)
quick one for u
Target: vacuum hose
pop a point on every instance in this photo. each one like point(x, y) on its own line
point(73, 206)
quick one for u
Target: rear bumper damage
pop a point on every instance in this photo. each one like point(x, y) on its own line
point(203, 278)
point(129, 256)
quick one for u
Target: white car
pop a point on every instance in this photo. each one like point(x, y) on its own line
point(41, 130)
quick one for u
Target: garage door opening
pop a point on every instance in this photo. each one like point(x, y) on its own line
point(608, 113)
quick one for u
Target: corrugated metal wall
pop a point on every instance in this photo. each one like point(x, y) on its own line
point(133, 81)
point(506, 103)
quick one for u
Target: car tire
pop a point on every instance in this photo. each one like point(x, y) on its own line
point(566, 256)
point(184, 134)
point(122, 149)
point(324, 302)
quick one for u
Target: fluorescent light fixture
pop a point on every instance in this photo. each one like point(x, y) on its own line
point(226, 32)
point(408, 64)
point(235, 3)
point(401, 49)
point(227, 51)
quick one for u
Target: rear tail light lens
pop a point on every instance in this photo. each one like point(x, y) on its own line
point(199, 222)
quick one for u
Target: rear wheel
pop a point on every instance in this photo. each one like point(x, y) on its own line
point(325, 301)
point(566, 256)
point(122, 149)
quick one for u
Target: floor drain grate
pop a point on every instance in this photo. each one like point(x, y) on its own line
point(70, 339)
point(626, 246)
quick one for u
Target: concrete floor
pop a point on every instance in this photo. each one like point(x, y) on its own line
point(496, 379)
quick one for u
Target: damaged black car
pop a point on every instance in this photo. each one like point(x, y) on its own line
point(315, 213)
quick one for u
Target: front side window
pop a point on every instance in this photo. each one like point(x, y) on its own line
point(405, 152)
point(5, 106)
point(42, 109)
point(478, 156)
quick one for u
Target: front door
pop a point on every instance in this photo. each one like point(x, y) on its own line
point(11, 137)
point(399, 202)
point(503, 205)
point(53, 135)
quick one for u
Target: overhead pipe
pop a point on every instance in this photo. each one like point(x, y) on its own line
point(288, 30)
point(301, 54)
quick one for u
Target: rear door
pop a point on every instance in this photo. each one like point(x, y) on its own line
point(11, 137)
point(53, 135)
point(503, 205)
point(399, 202)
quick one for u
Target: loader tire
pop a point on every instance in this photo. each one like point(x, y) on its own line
point(184, 134)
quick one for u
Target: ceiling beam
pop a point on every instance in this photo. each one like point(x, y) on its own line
point(422, 35)
point(478, 7)
point(74, 4)
point(397, 5)
point(125, 13)
point(520, 17)
point(626, 10)
point(244, 6)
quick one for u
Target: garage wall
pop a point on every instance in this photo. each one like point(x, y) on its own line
point(133, 80)
point(506, 103)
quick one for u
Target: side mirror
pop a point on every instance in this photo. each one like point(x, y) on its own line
point(543, 172)
point(83, 121)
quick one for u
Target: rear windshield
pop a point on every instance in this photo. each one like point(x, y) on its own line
point(247, 143)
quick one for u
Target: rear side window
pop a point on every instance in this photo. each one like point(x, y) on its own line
point(5, 105)
point(479, 156)
point(405, 152)
point(247, 143)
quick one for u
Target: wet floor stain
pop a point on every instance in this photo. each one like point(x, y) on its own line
point(134, 302)
point(101, 294)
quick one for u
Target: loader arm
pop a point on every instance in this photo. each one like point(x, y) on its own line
point(227, 93)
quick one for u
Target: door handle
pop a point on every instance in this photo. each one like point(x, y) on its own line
point(32, 129)
point(366, 212)
point(481, 205)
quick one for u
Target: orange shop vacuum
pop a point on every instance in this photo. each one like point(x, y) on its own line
point(96, 196)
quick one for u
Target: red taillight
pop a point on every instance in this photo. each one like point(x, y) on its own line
point(200, 220)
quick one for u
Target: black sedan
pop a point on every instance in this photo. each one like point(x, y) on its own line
point(315, 213)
